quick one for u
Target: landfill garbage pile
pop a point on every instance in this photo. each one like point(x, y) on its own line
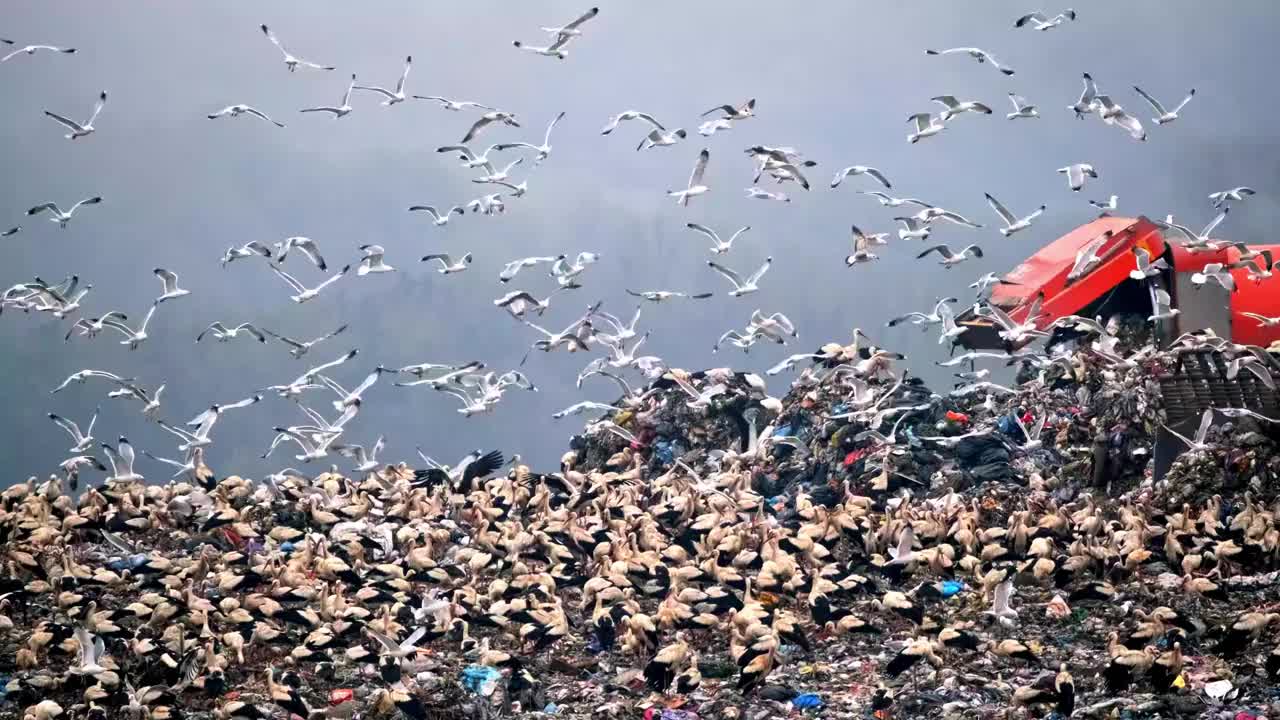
point(862, 547)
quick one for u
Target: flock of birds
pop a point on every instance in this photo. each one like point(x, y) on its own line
point(367, 540)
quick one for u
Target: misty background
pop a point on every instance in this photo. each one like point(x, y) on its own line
point(834, 79)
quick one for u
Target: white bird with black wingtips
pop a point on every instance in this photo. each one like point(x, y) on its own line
point(83, 440)
point(454, 105)
point(298, 348)
point(241, 109)
point(954, 107)
point(860, 170)
point(33, 49)
point(1012, 223)
point(721, 246)
point(695, 186)
point(951, 258)
point(306, 246)
point(438, 219)
point(222, 333)
point(169, 280)
point(56, 213)
point(1164, 116)
point(447, 264)
point(249, 249)
point(339, 111)
point(121, 459)
point(392, 96)
point(133, 338)
point(544, 150)
point(79, 130)
point(742, 286)
point(1076, 174)
point(982, 56)
point(304, 293)
point(373, 261)
point(1039, 21)
point(572, 29)
point(290, 60)
point(926, 126)
point(1238, 193)
point(1021, 108)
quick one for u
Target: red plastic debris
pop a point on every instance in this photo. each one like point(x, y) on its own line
point(340, 695)
point(954, 416)
point(855, 456)
point(232, 537)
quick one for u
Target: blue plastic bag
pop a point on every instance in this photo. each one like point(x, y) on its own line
point(951, 587)
point(480, 679)
point(806, 701)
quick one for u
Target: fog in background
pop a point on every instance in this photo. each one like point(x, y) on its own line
point(835, 79)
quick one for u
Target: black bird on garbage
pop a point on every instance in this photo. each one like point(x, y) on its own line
point(1166, 669)
point(1057, 690)
point(1247, 628)
point(910, 655)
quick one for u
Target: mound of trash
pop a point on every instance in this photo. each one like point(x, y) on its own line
point(863, 546)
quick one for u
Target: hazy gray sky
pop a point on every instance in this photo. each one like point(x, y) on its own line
point(835, 79)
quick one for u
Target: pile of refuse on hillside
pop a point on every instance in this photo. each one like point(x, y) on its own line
point(863, 546)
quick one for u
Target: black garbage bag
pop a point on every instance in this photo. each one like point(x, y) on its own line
point(974, 451)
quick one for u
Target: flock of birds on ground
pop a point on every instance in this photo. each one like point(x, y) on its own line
point(498, 552)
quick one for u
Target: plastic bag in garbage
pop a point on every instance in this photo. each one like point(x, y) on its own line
point(480, 679)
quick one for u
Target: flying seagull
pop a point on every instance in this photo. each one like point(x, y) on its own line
point(340, 111)
point(1239, 193)
point(393, 97)
point(436, 218)
point(447, 264)
point(238, 110)
point(133, 338)
point(303, 293)
point(890, 201)
point(695, 186)
point(62, 218)
point(729, 112)
point(954, 107)
point(1039, 21)
point(861, 243)
point(926, 126)
point(949, 257)
point(33, 49)
point(860, 170)
point(762, 194)
point(79, 130)
point(372, 261)
point(83, 440)
point(249, 249)
point(454, 105)
point(305, 245)
point(721, 246)
point(1076, 174)
point(978, 54)
point(487, 119)
point(289, 60)
point(740, 286)
point(664, 295)
point(1021, 108)
point(555, 49)
point(1012, 224)
point(222, 333)
point(298, 349)
point(121, 459)
point(1164, 116)
point(572, 29)
point(169, 280)
point(543, 150)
